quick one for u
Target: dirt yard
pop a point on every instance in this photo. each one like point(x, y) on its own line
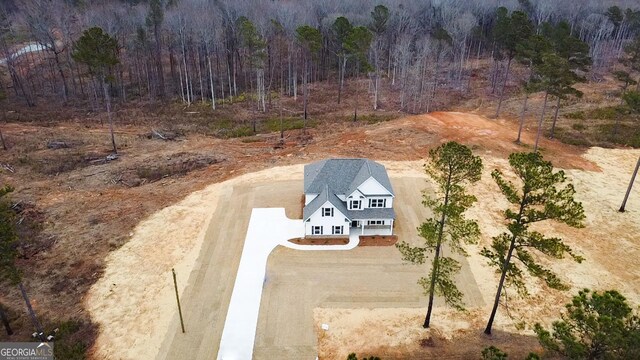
point(112, 232)
point(610, 243)
point(338, 284)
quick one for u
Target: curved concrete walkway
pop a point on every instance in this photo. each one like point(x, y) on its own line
point(268, 228)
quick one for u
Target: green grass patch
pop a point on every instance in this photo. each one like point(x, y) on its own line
point(237, 132)
point(288, 123)
point(625, 134)
point(578, 126)
point(606, 113)
point(578, 115)
point(252, 139)
point(240, 98)
point(375, 118)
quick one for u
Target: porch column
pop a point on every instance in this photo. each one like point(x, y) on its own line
point(391, 228)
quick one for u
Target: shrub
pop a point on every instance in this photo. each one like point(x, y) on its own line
point(240, 131)
point(579, 115)
point(578, 126)
point(606, 113)
point(288, 123)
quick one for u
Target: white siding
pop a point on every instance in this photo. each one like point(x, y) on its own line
point(327, 222)
point(372, 187)
point(308, 198)
point(388, 203)
point(356, 195)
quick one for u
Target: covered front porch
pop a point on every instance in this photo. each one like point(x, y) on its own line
point(371, 227)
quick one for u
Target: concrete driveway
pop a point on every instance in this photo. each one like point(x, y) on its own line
point(268, 228)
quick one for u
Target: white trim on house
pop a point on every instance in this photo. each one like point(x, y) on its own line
point(371, 186)
point(367, 206)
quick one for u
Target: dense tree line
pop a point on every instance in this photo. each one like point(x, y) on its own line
point(216, 51)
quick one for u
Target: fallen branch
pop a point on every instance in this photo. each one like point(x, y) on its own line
point(8, 167)
point(158, 134)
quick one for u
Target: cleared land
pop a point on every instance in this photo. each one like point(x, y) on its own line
point(118, 231)
point(342, 284)
point(366, 277)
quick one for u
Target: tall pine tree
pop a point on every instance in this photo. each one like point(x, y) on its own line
point(99, 51)
point(541, 195)
point(451, 166)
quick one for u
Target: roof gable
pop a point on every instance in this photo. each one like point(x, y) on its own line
point(325, 196)
point(371, 186)
point(343, 176)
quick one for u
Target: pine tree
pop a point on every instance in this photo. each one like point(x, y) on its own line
point(576, 54)
point(450, 166)
point(341, 29)
point(380, 17)
point(99, 52)
point(443, 41)
point(530, 53)
point(553, 76)
point(509, 33)
point(544, 195)
point(8, 270)
point(310, 39)
point(154, 19)
point(357, 45)
point(256, 48)
point(632, 59)
point(596, 326)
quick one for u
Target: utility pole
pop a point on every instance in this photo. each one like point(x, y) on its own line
point(633, 178)
point(175, 286)
point(32, 314)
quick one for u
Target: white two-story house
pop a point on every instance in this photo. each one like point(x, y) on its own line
point(344, 196)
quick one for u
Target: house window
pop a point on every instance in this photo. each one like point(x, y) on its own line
point(316, 230)
point(375, 222)
point(327, 212)
point(377, 203)
point(355, 204)
point(337, 230)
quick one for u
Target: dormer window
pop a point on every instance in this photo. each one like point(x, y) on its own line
point(355, 204)
point(327, 212)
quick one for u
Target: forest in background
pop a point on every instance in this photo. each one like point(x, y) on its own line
point(219, 52)
point(250, 57)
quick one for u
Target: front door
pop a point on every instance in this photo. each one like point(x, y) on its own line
point(355, 223)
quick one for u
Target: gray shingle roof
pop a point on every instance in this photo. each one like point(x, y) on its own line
point(371, 214)
point(333, 177)
point(315, 204)
point(343, 176)
point(365, 214)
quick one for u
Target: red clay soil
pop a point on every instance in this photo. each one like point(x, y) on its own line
point(90, 210)
point(410, 138)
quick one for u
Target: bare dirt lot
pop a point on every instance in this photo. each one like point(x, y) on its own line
point(114, 221)
point(341, 284)
point(296, 281)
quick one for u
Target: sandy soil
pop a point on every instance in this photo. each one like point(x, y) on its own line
point(137, 282)
point(134, 311)
point(609, 242)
